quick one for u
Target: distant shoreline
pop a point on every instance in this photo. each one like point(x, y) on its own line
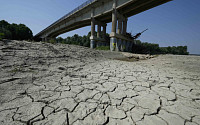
point(194, 54)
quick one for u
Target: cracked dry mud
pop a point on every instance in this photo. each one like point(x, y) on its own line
point(60, 84)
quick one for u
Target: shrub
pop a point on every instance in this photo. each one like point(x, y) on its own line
point(52, 41)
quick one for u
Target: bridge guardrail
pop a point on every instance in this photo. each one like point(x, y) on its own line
point(71, 12)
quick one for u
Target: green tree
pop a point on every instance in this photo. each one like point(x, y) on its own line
point(6, 32)
point(2, 36)
point(60, 40)
point(53, 41)
point(68, 40)
point(24, 33)
point(86, 41)
point(14, 31)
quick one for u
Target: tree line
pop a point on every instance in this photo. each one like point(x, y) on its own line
point(78, 40)
point(75, 40)
point(14, 31)
point(151, 48)
point(22, 32)
point(139, 47)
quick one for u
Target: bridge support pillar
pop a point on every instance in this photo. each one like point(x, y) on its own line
point(98, 44)
point(92, 41)
point(119, 31)
point(113, 42)
point(43, 39)
point(113, 39)
point(124, 26)
point(118, 46)
point(131, 46)
point(46, 39)
point(98, 31)
point(127, 44)
point(98, 34)
point(96, 41)
point(104, 34)
point(92, 44)
point(54, 39)
point(104, 31)
point(123, 45)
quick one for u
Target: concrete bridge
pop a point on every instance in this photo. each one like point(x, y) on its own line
point(101, 12)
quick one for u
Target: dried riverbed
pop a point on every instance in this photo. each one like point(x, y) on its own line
point(60, 84)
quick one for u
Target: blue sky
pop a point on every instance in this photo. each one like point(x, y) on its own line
point(172, 24)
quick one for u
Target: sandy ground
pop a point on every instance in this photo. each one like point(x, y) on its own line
point(44, 84)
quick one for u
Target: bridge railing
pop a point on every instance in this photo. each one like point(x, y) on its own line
point(78, 8)
point(71, 12)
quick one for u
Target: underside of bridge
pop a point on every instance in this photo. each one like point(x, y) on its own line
point(101, 12)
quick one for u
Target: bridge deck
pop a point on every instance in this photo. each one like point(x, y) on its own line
point(81, 16)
